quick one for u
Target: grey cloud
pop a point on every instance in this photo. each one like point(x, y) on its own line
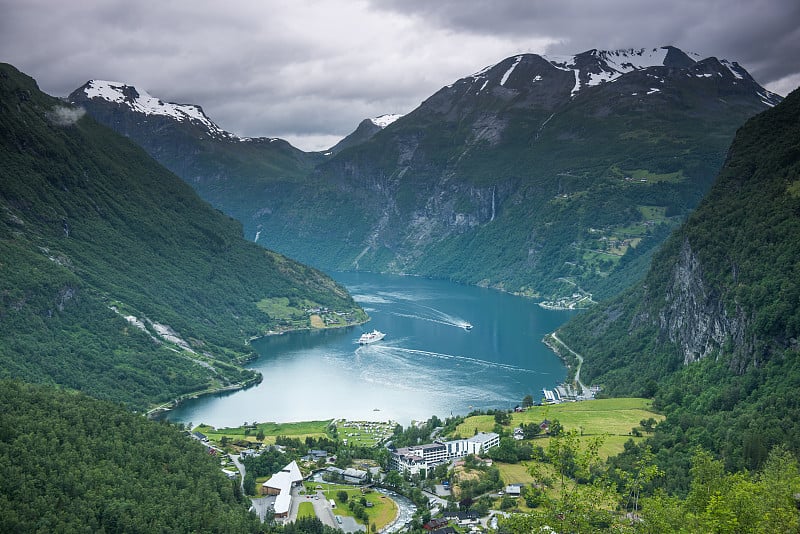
point(762, 35)
point(65, 115)
point(313, 70)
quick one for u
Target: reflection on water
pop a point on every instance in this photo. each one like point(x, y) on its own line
point(427, 364)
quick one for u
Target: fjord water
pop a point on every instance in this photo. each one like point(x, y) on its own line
point(428, 364)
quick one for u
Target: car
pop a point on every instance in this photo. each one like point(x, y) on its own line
point(338, 519)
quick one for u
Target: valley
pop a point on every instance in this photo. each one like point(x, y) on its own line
point(494, 180)
point(645, 202)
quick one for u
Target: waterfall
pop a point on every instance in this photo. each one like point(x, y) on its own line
point(490, 220)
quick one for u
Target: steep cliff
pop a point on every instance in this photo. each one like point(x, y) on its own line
point(711, 333)
point(725, 284)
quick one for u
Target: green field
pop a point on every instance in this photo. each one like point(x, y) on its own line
point(514, 473)
point(305, 509)
point(316, 429)
point(382, 512)
point(614, 418)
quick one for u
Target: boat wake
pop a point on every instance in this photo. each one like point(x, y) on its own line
point(436, 316)
point(465, 359)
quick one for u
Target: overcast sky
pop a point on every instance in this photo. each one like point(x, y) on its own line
point(310, 70)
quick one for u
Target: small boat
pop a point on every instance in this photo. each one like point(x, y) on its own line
point(370, 337)
point(466, 326)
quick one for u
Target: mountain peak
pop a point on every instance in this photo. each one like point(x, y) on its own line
point(547, 80)
point(141, 101)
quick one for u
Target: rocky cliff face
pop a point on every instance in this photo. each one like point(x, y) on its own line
point(694, 316)
point(726, 284)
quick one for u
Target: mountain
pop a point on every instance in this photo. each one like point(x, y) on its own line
point(116, 278)
point(536, 175)
point(226, 170)
point(364, 132)
point(712, 330)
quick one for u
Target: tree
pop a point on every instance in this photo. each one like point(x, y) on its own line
point(527, 401)
point(648, 424)
point(393, 478)
point(555, 428)
point(341, 495)
point(502, 417)
point(249, 484)
point(531, 430)
point(644, 471)
point(508, 502)
point(260, 435)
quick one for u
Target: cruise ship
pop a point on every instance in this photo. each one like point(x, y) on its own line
point(371, 337)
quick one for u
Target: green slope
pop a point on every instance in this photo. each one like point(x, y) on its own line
point(712, 330)
point(69, 463)
point(92, 230)
point(523, 187)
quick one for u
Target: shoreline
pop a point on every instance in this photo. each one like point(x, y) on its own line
point(162, 409)
point(271, 333)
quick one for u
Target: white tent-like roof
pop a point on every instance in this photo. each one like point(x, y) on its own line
point(282, 481)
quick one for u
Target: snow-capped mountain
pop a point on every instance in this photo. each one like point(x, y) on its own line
point(532, 171)
point(364, 132)
point(140, 101)
point(547, 81)
point(596, 67)
point(529, 172)
point(224, 168)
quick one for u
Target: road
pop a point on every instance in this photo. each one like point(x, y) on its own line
point(240, 467)
point(583, 387)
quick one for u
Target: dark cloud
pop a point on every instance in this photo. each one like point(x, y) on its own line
point(311, 71)
point(762, 35)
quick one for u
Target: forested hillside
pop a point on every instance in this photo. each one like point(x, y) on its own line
point(70, 463)
point(115, 277)
point(712, 331)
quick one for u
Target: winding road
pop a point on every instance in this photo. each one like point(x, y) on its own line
point(583, 387)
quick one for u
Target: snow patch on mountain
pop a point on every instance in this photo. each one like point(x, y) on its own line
point(735, 69)
point(590, 68)
point(611, 64)
point(385, 120)
point(510, 70)
point(142, 102)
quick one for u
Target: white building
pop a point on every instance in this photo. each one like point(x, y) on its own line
point(280, 484)
point(424, 457)
point(418, 457)
point(477, 444)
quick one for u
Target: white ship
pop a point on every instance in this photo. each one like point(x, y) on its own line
point(371, 337)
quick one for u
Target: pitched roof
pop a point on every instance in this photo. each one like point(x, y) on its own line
point(283, 479)
point(294, 472)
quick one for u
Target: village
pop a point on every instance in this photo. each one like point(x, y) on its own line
point(351, 476)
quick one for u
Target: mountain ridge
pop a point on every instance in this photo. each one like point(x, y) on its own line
point(117, 279)
point(521, 143)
